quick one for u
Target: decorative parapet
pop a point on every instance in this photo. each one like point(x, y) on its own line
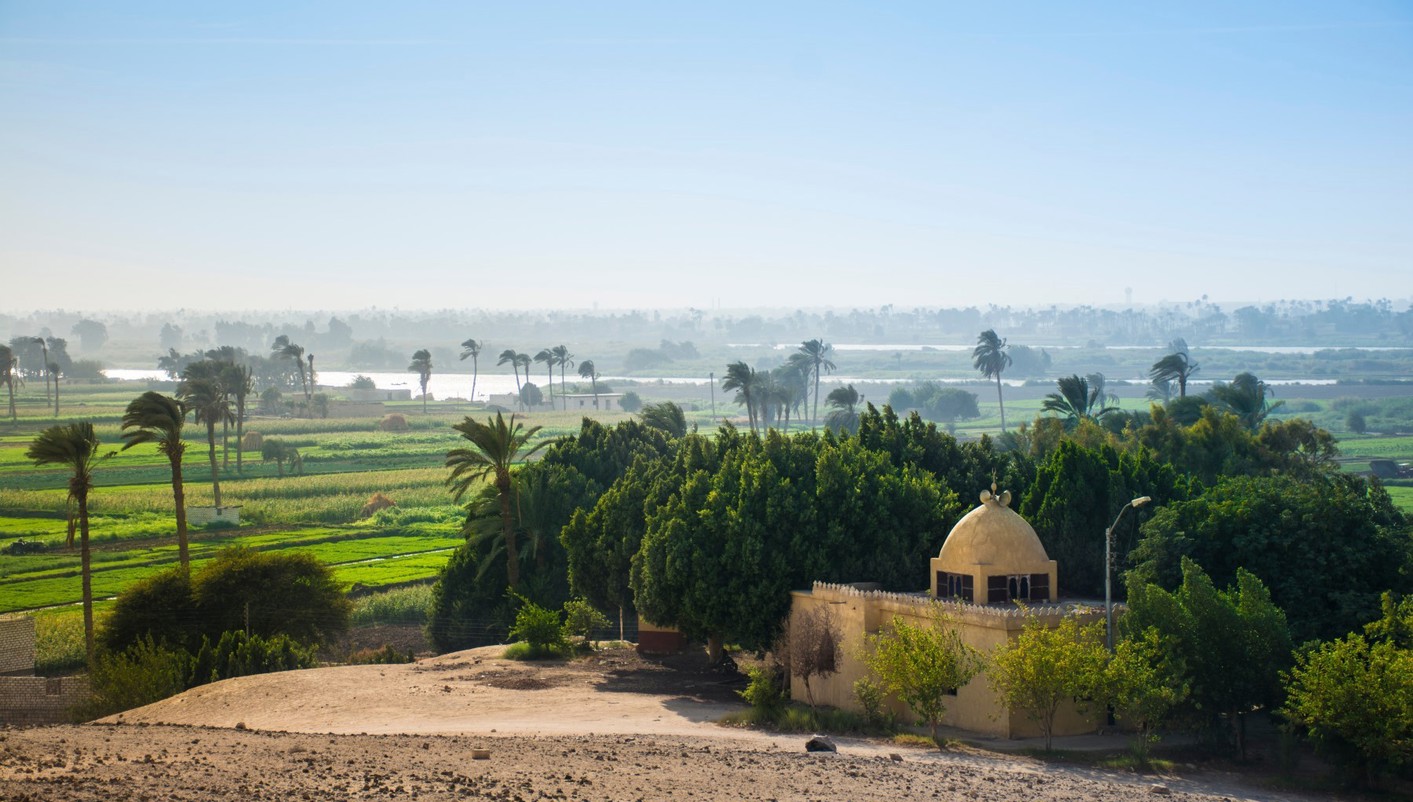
point(1008, 616)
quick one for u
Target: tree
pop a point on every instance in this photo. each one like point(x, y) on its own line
point(277, 451)
point(814, 646)
point(284, 349)
point(91, 333)
point(546, 355)
point(422, 364)
point(1080, 398)
point(666, 416)
point(1143, 684)
point(1046, 666)
point(630, 402)
point(495, 446)
point(1245, 398)
point(843, 403)
point(513, 357)
point(530, 395)
point(240, 382)
point(922, 665)
point(156, 418)
point(472, 349)
point(991, 359)
point(74, 446)
point(8, 371)
point(817, 352)
point(1233, 643)
point(47, 370)
point(202, 392)
point(563, 359)
point(742, 378)
point(1175, 367)
point(588, 371)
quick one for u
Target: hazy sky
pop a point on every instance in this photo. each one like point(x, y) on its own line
point(507, 154)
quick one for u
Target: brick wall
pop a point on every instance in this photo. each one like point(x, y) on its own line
point(17, 645)
point(39, 700)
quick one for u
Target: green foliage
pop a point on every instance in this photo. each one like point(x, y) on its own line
point(408, 605)
point(1143, 684)
point(236, 654)
point(581, 619)
point(159, 607)
point(922, 665)
point(666, 416)
point(540, 629)
point(766, 690)
point(143, 673)
point(1046, 666)
point(58, 643)
point(1326, 547)
point(630, 402)
point(1232, 644)
point(871, 696)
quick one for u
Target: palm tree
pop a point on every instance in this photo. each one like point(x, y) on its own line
point(284, 349)
point(1175, 367)
point(422, 363)
point(513, 357)
point(790, 388)
point(495, 446)
point(546, 355)
point(44, 347)
point(75, 446)
point(991, 359)
point(817, 352)
point(667, 417)
point(202, 392)
point(472, 349)
point(241, 383)
point(1245, 398)
point(1080, 398)
point(844, 401)
point(742, 378)
point(156, 418)
point(276, 451)
point(588, 371)
point(564, 359)
point(9, 366)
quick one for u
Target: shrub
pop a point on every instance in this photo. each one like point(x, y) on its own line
point(384, 656)
point(582, 618)
point(158, 607)
point(393, 423)
point(870, 695)
point(139, 675)
point(540, 629)
point(630, 401)
point(376, 503)
point(766, 690)
point(237, 654)
point(361, 382)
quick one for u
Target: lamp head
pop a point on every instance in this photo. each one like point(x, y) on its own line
point(1140, 501)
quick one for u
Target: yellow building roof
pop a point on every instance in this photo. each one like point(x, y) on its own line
point(993, 535)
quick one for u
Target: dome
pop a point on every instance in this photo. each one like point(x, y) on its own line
point(993, 535)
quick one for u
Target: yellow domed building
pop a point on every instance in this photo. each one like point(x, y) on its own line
point(991, 564)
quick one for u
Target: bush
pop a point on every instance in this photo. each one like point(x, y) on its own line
point(393, 423)
point(376, 503)
point(1355, 422)
point(540, 629)
point(766, 690)
point(237, 654)
point(158, 607)
point(139, 675)
point(582, 618)
point(630, 402)
point(871, 695)
point(384, 656)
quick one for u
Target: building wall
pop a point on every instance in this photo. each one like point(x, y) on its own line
point(17, 645)
point(39, 700)
point(860, 613)
point(201, 516)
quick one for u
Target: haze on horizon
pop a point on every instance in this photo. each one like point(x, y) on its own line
point(563, 155)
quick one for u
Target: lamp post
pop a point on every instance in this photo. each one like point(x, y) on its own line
point(1109, 569)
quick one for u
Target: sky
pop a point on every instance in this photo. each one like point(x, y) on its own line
point(614, 155)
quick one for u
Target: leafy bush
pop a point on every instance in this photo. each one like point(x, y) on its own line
point(540, 629)
point(630, 401)
point(871, 695)
point(582, 618)
point(139, 675)
point(410, 605)
point(766, 690)
point(237, 654)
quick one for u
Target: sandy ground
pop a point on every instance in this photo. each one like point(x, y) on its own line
point(614, 729)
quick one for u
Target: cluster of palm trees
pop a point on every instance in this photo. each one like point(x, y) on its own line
point(10, 371)
point(772, 396)
point(557, 356)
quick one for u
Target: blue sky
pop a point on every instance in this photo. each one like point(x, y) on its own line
point(530, 155)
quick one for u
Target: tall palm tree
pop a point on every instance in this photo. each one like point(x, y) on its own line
point(241, 383)
point(564, 359)
point(422, 363)
point(74, 446)
point(1080, 398)
point(844, 402)
point(588, 371)
point(284, 349)
point(202, 392)
point(991, 359)
point(513, 357)
point(495, 446)
point(472, 349)
point(1175, 367)
point(790, 388)
point(156, 418)
point(9, 366)
point(817, 352)
point(44, 347)
point(546, 355)
point(1245, 398)
point(742, 378)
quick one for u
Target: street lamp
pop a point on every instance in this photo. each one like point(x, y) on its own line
point(1109, 569)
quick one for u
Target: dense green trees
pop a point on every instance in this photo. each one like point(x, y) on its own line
point(1046, 666)
point(1080, 398)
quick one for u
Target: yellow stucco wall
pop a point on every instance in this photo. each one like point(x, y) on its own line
point(860, 613)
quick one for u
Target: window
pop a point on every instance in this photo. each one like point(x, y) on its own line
point(955, 586)
point(1017, 587)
